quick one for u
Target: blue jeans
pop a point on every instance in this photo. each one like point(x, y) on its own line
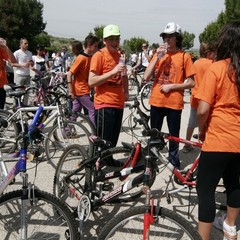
point(174, 123)
point(108, 123)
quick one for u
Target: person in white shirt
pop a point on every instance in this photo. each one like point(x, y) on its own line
point(133, 59)
point(143, 60)
point(40, 64)
point(24, 62)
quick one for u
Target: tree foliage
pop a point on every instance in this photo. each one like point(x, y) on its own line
point(188, 40)
point(98, 31)
point(135, 43)
point(20, 18)
point(211, 31)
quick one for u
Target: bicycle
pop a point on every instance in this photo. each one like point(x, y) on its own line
point(63, 132)
point(51, 92)
point(42, 92)
point(87, 184)
point(146, 222)
point(187, 177)
point(31, 213)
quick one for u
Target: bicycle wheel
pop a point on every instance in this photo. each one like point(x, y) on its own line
point(129, 225)
point(58, 139)
point(133, 87)
point(70, 191)
point(86, 122)
point(114, 159)
point(47, 217)
point(145, 94)
point(11, 132)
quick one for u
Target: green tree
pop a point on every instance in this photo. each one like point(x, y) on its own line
point(98, 31)
point(20, 18)
point(188, 40)
point(135, 43)
point(211, 31)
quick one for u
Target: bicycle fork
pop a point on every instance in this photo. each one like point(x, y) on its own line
point(148, 215)
point(28, 198)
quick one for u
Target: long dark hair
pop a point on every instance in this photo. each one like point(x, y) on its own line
point(228, 46)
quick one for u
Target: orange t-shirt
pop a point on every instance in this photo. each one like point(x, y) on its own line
point(110, 93)
point(201, 65)
point(80, 69)
point(217, 89)
point(172, 68)
point(3, 74)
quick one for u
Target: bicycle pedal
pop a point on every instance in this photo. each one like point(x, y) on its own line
point(107, 186)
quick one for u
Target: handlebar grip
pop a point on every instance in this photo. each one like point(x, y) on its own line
point(36, 116)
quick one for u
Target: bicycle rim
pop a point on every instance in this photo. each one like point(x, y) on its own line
point(129, 225)
point(70, 191)
point(47, 218)
point(58, 139)
point(11, 132)
point(145, 94)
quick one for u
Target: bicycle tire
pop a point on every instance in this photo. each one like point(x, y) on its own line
point(86, 122)
point(55, 144)
point(33, 97)
point(129, 225)
point(70, 160)
point(48, 217)
point(11, 132)
point(145, 94)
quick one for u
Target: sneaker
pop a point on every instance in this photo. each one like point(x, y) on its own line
point(218, 221)
point(187, 148)
point(230, 232)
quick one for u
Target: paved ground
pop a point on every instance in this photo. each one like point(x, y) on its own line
point(180, 203)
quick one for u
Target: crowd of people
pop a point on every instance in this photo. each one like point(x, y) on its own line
point(215, 100)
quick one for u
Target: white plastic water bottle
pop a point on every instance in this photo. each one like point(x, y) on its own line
point(165, 46)
point(122, 62)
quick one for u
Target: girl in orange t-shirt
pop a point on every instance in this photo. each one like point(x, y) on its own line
point(218, 117)
point(207, 54)
point(108, 77)
point(173, 73)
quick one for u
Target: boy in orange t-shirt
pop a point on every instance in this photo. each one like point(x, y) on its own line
point(174, 72)
point(77, 77)
point(109, 78)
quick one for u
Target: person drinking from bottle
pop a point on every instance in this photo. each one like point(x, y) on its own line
point(174, 72)
point(110, 81)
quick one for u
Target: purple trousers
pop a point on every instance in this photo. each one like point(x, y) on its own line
point(84, 101)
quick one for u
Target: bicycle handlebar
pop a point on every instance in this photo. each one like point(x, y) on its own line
point(155, 133)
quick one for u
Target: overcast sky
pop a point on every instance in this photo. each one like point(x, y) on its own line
point(136, 18)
